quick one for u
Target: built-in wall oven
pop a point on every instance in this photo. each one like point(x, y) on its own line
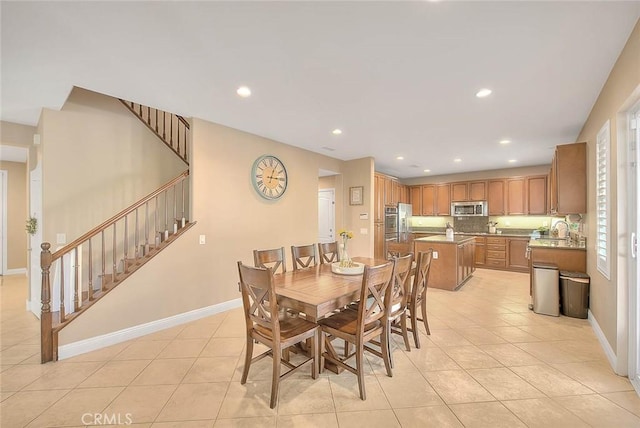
point(390, 223)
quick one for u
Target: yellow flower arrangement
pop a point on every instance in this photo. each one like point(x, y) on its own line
point(346, 234)
point(345, 260)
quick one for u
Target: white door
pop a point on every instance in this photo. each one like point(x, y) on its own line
point(3, 221)
point(326, 216)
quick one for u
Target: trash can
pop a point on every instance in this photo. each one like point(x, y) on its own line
point(546, 290)
point(574, 292)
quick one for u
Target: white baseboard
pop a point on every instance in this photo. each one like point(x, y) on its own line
point(34, 307)
point(87, 345)
point(608, 350)
point(17, 271)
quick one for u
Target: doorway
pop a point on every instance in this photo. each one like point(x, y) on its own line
point(326, 215)
point(633, 270)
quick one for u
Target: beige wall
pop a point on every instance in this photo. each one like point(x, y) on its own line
point(481, 175)
point(98, 158)
point(622, 82)
point(15, 134)
point(16, 214)
point(234, 219)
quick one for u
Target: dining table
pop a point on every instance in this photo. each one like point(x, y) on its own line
point(317, 291)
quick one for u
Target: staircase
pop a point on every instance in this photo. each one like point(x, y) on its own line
point(76, 276)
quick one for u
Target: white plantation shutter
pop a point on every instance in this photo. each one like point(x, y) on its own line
point(603, 220)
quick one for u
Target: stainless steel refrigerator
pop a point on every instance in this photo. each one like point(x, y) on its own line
point(404, 223)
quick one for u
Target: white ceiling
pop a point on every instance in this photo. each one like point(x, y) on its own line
point(398, 78)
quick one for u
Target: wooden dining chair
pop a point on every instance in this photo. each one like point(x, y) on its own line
point(328, 252)
point(418, 296)
point(360, 327)
point(304, 256)
point(399, 297)
point(275, 259)
point(264, 326)
point(397, 249)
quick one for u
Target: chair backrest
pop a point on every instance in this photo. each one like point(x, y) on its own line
point(270, 258)
point(401, 287)
point(304, 256)
point(421, 277)
point(376, 285)
point(328, 252)
point(259, 298)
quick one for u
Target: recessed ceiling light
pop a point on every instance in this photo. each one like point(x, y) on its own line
point(336, 131)
point(457, 160)
point(512, 161)
point(505, 141)
point(400, 157)
point(427, 170)
point(484, 92)
point(244, 91)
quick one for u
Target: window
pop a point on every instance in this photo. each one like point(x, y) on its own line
point(603, 212)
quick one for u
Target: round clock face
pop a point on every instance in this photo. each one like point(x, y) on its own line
point(269, 177)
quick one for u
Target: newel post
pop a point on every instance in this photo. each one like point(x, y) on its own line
point(46, 335)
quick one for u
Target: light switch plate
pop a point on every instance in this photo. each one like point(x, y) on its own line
point(364, 216)
point(435, 255)
point(61, 238)
point(203, 239)
point(364, 231)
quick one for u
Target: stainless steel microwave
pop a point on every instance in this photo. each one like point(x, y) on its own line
point(464, 209)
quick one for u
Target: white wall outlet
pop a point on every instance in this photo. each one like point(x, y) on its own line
point(419, 222)
point(507, 223)
point(61, 238)
point(545, 223)
point(435, 254)
point(364, 231)
point(203, 239)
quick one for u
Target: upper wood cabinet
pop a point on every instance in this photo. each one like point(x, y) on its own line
point(469, 191)
point(537, 195)
point(378, 203)
point(443, 199)
point(388, 191)
point(496, 197)
point(516, 196)
point(428, 199)
point(568, 179)
point(416, 200)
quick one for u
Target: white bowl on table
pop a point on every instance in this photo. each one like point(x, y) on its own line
point(355, 269)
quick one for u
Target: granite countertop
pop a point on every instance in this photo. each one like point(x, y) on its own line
point(561, 244)
point(504, 233)
point(457, 239)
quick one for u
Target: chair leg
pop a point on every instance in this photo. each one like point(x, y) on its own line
point(275, 378)
point(414, 327)
point(386, 353)
point(360, 369)
point(247, 360)
point(315, 345)
point(424, 315)
point(405, 332)
point(388, 341)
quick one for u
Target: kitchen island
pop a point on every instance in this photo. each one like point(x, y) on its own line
point(453, 259)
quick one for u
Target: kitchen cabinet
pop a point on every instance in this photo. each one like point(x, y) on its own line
point(481, 251)
point(537, 195)
point(469, 191)
point(388, 191)
point(428, 199)
point(496, 252)
point(378, 203)
point(515, 196)
point(517, 254)
point(454, 264)
point(378, 245)
point(568, 180)
point(496, 197)
point(443, 199)
point(416, 200)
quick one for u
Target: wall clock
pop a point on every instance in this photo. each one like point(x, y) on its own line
point(269, 177)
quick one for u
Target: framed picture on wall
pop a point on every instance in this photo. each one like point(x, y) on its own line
point(356, 195)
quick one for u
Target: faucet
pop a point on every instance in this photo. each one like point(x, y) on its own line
point(555, 227)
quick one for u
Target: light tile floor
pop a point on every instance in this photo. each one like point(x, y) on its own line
point(489, 362)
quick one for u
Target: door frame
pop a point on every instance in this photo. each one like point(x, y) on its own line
point(4, 176)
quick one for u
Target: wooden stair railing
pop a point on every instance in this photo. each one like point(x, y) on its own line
point(95, 263)
point(171, 128)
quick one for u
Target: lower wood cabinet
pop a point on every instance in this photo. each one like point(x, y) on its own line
point(481, 251)
point(517, 254)
point(496, 252)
